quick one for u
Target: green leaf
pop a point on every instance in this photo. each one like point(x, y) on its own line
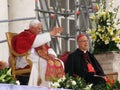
point(2, 77)
point(9, 72)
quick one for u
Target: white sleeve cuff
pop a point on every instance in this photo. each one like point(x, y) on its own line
point(51, 51)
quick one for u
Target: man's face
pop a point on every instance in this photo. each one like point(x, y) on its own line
point(36, 29)
point(83, 43)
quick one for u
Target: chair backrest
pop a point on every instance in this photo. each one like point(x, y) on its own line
point(64, 56)
point(9, 36)
point(13, 55)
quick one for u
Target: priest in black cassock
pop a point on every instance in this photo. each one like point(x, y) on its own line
point(82, 63)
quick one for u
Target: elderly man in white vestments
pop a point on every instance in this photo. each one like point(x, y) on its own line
point(29, 40)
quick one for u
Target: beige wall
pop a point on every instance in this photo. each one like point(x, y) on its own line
point(3, 29)
point(110, 62)
point(20, 9)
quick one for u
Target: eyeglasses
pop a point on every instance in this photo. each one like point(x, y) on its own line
point(83, 41)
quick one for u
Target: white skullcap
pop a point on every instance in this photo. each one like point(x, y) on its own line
point(34, 22)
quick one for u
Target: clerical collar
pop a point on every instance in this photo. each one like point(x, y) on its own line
point(81, 51)
point(84, 51)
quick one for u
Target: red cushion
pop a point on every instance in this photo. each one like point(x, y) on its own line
point(26, 67)
point(64, 56)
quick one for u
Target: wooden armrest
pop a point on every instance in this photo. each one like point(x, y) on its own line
point(113, 75)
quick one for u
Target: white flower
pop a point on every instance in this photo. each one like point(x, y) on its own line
point(67, 86)
point(69, 82)
point(62, 79)
point(118, 45)
point(88, 87)
point(73, 82)
point(117, 40)
point(9, 72)
point(55, 85)
point(18, 83)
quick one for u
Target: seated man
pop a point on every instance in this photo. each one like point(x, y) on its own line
point(34, 41)
point(82, 63)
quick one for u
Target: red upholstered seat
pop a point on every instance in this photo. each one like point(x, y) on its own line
point(64, 56)
point(26, 67)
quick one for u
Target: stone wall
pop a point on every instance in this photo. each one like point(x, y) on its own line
point(3, 28)
point(110, 62)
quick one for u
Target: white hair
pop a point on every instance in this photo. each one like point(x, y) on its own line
point(34, 22)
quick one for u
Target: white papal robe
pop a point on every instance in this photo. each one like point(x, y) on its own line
point(39, 64)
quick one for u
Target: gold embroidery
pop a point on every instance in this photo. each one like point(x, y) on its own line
point(54, 67)
point(57, 63)
point(51, 62)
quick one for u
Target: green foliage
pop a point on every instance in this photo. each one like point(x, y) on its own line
point(69, 82)
point(6, 77)
point(116, 85)
point(100, 87)
point(77, 83)
point(107, 86)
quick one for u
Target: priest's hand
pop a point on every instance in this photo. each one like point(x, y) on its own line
point(56, 30)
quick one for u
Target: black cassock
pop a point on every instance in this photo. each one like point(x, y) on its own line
point(77, 65)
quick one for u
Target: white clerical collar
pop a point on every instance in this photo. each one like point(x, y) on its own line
point(84, 51)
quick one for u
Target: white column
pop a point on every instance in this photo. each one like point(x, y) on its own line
point(20, 9)
point(3, 29)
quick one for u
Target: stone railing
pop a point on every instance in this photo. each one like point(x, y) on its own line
point(110, 62)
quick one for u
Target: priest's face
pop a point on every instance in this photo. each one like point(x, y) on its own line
point(36, 29)
point(83, 43)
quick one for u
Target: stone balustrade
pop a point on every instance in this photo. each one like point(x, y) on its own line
point(110, 62)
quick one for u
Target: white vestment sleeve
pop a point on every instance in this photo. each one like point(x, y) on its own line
point(41, 39)
point(51, 51)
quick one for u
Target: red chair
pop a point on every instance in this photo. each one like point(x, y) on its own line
point(12, 58)
point(64, 56)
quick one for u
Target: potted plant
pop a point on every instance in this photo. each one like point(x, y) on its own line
point(105, 34)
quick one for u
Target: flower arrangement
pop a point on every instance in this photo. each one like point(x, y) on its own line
point(77, 83)
point(5, 74)
point(6, 77)
point(106, 34)
point(69, 82)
